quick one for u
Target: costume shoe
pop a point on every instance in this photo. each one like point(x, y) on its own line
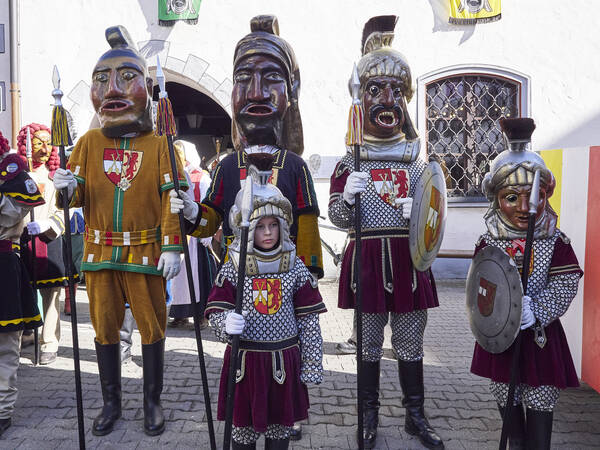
point(516, 427)
point(539, 429)
point(277, 444)
point(153, 360)
point(370, 376)
point(109, 367)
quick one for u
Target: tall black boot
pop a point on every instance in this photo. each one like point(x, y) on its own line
point(109, 367)
point(370, 376)
point(277, 444)
point(411, 382)
point(153, 359)
point(516, 427)
point(539, 429)
point(238, 446)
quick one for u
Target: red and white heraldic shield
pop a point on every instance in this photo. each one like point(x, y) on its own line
point(266, 294)
point(121, 164)
point(391, 184)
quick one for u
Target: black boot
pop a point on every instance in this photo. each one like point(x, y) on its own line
point(539, 429)
point(370, 376)
point(125, 334)
point(411, 382)
point(516, 427)
point(276, 444)
point(109, 367)
point(238, 446)
point(296, 432)
point(153, 359)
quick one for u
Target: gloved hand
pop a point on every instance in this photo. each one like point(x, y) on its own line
point(185, 203)
point(169, 263)
point(235, 323)
point(406, 206)
point(38, 227)
point(64, 178)
point(355, 184)
point(527, 317)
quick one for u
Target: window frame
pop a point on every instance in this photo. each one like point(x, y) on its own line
point(522, 80)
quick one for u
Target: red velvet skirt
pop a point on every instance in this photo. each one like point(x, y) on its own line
point(259, 399)
point(375, 298)
point(551, 365)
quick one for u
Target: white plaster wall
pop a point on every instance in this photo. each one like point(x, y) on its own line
point(551, 41)
point(5, 116)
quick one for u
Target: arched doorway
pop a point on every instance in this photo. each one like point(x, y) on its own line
point(200, 119)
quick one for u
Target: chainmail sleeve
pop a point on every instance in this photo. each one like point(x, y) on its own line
point(341, 213)
point(217, 322)
point(311, 348)
point(554, 300)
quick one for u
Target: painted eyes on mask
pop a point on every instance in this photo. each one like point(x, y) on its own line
point(103, 77)
point(375, 90)
point(512, 198)
point(244, 76)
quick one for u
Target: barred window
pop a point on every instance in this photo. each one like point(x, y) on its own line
point(461, 126)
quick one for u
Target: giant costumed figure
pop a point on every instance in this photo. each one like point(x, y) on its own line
point(521, 226)
point(19, 194)
point(128, 251)
point(390, 169)
point(266, 89)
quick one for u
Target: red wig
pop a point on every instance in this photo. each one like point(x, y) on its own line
point(53, 162)
point(4, 147)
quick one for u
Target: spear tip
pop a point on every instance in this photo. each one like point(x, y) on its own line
point(160, 77)
point(56, 78)
point(355, 83)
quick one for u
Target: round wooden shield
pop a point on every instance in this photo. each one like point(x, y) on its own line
point(428, 217)
point(494, 299)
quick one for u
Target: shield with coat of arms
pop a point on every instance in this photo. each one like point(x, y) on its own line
point(391, 184)
point(266, 295)
point(121, 166)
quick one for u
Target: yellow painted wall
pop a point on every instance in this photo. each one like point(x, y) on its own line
point(554, 161)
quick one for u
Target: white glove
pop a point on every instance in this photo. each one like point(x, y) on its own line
point(406, 206)
point(169, 263)
point(356, 183)
point(64, 178)
point(38, 227)
point(184, 203)
point(235, 323)
point(527, 317)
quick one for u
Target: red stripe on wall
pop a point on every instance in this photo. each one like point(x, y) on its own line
point(590, 364)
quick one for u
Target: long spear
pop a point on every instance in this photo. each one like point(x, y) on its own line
point(62, 138)
point(36, 336)
point(165, 124)
point(239, 296)
point(534, 198)
point(355, 139)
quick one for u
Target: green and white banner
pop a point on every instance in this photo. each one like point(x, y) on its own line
point(171, 11)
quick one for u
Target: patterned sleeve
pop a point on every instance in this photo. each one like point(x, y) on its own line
point(169, 227)
point(481, 244)
point(311, 349)
point(308, 243)
point(77, 165)
point(561, 288)
point(210, 213)
point(341, 213)
point(306, 199)
point(307, 298)
point(220, 301)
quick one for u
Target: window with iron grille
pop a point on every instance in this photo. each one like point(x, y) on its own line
point(461, 126)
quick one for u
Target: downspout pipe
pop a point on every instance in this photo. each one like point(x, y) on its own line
point(15, 78)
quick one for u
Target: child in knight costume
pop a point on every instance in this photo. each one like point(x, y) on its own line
point(281, 344)
point(18, 309)
point(390, 171)
point(129, 251)
point(545, 363)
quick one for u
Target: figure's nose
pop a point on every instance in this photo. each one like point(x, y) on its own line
point(267, 231)
point(387, 97)
point(256, 93)
point(523, 204)
point(114, 87)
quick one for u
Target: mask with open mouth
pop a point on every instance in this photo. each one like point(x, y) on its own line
point(121, 89)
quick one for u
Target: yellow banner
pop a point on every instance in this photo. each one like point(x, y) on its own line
point(470, 12)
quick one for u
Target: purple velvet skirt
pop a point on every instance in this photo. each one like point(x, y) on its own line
point(259, 399)
point(551, 365)
point(375, 298)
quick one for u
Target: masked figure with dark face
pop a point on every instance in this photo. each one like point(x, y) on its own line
point(545, 364)
point(129, 250)
point(266, 119)
point(390, 171)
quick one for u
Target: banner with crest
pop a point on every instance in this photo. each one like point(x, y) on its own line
point(470, 12)
point(172, 11)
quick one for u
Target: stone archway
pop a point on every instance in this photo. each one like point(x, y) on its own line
point(201, 102)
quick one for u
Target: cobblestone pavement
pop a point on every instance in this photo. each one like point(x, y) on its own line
point(458, 403)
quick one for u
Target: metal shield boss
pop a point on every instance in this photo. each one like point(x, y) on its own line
point(428, 217)
point(494, 299)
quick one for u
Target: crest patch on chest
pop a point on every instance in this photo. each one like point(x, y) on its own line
point(391, 184)
point(122, 166)
point(516, 250)
point(266, 295)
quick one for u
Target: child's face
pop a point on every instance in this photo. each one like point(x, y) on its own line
point(266, 233)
